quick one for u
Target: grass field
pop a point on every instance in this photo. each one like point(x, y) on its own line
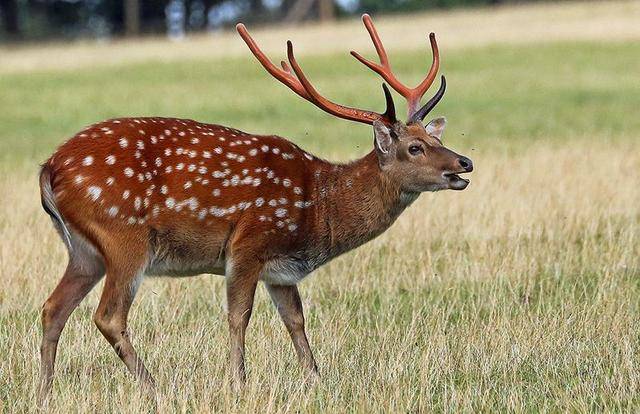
point(521, 293)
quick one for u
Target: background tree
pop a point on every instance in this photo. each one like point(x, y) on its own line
point(10, 18)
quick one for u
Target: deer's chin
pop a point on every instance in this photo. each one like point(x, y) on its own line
point(455, 182)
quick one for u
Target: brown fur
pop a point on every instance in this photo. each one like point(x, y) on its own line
point(279, 214)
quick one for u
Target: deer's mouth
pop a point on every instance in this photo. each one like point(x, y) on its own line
point(456, 182)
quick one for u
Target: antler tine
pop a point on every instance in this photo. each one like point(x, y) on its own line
point(384, 68)
point(433, 70)
point(284, 75)
point(412, 95)
point(419, 115)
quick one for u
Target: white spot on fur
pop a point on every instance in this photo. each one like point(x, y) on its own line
point(88, 160)
point(128, 172)
point(94, 192)
point(303, 204)
point(123, 142)
point(110, 160)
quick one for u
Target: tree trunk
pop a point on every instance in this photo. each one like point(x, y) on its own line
point(326, 11)
point(299, 11)
point(132, 17)
point(10, 17)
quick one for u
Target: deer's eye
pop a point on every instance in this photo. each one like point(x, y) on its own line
point(415, 149)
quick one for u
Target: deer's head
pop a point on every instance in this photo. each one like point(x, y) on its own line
point(413, 157)
point(410, 153)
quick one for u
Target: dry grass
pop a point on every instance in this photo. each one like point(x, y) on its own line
point(519, 293)
point(533, 23)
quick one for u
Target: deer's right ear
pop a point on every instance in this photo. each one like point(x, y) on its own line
point(383, 140)
point(435, 128)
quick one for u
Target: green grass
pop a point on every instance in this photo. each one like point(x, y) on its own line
point(497, 96)
point(519, 294)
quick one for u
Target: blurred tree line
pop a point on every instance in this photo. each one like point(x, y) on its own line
point(40, 19)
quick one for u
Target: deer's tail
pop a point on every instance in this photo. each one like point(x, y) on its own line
point(49, 203)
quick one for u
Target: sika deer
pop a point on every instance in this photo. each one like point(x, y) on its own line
point(157, 196)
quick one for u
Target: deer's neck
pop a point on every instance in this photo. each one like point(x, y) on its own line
point(358, 202)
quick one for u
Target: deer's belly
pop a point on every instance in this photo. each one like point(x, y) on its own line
point(173, 255)
point(286, 271)
point(181, 268)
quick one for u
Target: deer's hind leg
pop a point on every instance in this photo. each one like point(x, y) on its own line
point(125, 266)
point(84, 270)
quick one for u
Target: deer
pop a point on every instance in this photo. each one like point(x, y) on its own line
point(152, 196)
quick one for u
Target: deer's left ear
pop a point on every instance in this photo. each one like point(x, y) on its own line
point(435, 128)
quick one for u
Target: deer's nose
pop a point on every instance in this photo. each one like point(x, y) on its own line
point(465, 163)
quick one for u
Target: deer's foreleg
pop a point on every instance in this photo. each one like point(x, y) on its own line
point(287, 301)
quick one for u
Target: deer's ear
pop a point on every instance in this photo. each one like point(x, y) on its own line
point(383, 140)
point(435, 128)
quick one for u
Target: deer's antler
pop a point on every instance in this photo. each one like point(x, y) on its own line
point(303, 87)
point(412, 95)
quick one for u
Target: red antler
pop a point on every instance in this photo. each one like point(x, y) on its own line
point(412, 95)
point(303, 87)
